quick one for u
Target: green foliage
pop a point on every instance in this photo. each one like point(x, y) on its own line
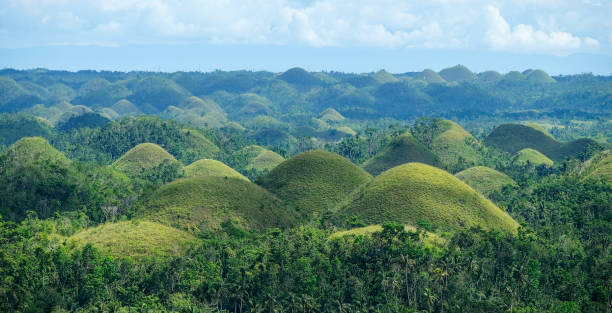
point(314, 181)
point(416, 192)
point(600, 167)
point(209, 167)
point(485, 180)
point(205, 202)
point(402, 149)
point(116, 138)
point(16, 126)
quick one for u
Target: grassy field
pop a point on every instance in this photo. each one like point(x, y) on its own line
point(402, 149)
point(210, 167)
point(415, 192)
point(206, 202)
point(134, 238)
point(515, 137)
point(485, 180)
point(143, 156)
point(314, 181)
point(532, 156)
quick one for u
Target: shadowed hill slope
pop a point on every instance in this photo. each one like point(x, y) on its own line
point(403, 149)
point(514, 137)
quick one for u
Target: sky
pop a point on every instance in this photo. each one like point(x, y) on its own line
point(559, 36)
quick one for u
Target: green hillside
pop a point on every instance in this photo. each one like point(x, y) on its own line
point(489, 77)
point(514, 137)
point(315, 180)
point(532, 156)
point(35, 176)
point(403, 149)
point(135, 239)
point(125, 108)
point(210, 167)
point(600, 166)
point(384, 77)
point(260, 159)
point(142, 157)
point(457, 73)
point(16, 126)
point(415, 192)
point(299, 77)
point(206, 202)
point(331, 115)
point(454, 146)
point(538, 76)
point(429, 76)
point(485, 180)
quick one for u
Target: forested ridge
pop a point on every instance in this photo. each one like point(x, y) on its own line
point(305, 192)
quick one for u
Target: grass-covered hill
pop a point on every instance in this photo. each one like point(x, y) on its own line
point(538, 77)
point(210, 167)
point(206, 202)
point(35, 176)
point(485, 179)
point(402, 149)
point(533, 157)
point(454, 146)
point(331, 115)
point(142, 157)
point(600, 166)
point(260, 159)
point(429, 76)
point(515, 137)
point(136, 239)
point(299, 77)
point(416, 193)
point(314, 181)
point(458, 73)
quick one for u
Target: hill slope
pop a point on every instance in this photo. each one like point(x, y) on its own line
point(415, 192)
point(600, 166)
point(142, 157)
point(35, 176)
point(457, 73)
point(514, 137)
point(485, 180)
point(454, 146)
point(314, 180)
point(260, 159)
point(402, 149)
point(135, 239)
point(533, 157)
point(206, 202)
point(210, 167)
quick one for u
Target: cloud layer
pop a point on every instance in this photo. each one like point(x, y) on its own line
point(544, 26)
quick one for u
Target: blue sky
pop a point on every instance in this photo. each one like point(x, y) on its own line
point(558, 36)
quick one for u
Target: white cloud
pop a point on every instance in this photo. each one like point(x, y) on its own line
point(500, 36)
point(392, 24)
